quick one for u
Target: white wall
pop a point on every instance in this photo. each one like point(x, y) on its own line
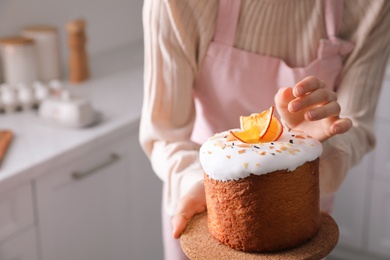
point(111, 24)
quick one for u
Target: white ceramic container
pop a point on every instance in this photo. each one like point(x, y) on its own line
point(19, 60)
point(48, 51)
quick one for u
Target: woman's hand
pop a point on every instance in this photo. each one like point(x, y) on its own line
point(313, 108)
point(192, 203)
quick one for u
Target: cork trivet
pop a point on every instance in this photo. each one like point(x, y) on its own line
point(198, 244)
point(5, 139)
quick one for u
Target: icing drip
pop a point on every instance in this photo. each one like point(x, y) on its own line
point(224, 159)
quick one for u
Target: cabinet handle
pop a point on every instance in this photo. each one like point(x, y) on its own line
point(79, 175)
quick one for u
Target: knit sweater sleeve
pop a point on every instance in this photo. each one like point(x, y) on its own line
point(168, 111)
point(358, 93)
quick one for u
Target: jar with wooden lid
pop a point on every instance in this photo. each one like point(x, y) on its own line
point(48, 50)
point(19, 60)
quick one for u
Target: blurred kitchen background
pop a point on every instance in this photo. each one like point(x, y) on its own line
point(79, 186)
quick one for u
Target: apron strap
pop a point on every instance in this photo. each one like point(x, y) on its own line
point(227, 19)
point(333, 16)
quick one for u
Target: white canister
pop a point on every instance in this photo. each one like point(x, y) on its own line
point(48, 50)
point(19, 60)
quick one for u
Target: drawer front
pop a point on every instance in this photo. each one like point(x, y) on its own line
point(95, 207)
point(16, 210)
point(83, 207)
point(22, 247)
point(85, 167)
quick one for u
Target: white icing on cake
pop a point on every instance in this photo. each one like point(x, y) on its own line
point(231, 160)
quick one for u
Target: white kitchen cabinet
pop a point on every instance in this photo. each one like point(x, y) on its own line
point(16, 210)
point(379, 219)
point(379, 231)
point(146, 197)
point(382, 156)
point(21, 247)
point(350, 203)
point(17, 235)
point(88, 208)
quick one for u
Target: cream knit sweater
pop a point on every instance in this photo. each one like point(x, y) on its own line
point(176, 35)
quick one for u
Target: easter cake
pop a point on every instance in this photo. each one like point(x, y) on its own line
point(262, 185)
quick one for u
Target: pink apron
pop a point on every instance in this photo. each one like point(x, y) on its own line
point(234, 82)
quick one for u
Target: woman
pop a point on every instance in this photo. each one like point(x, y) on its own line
point(208, 62)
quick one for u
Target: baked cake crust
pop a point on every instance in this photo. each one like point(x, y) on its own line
point(265, 213)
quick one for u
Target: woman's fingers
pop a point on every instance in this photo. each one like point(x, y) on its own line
point(192, 203)
point(331, 109)
point(283, 97)
point(312, 107)
point(184, 213)
point(307, 85)
point(317, 97)
point(341, 125)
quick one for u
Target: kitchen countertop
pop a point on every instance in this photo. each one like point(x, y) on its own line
point(115, 89)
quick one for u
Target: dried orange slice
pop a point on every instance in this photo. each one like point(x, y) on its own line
point(250, 136)
point(256, 128)
point(274, 131)
point(261, 121)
